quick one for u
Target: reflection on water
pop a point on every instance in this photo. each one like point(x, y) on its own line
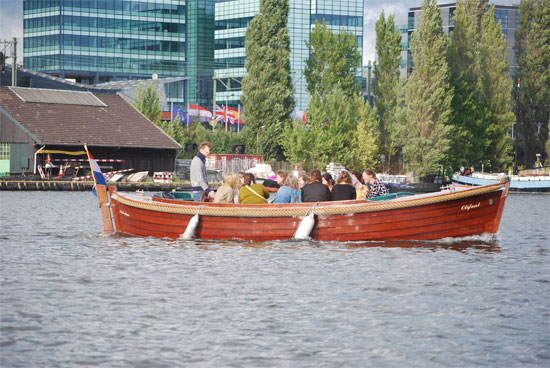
point(72, 296)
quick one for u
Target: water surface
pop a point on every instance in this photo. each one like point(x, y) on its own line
point(70, 296)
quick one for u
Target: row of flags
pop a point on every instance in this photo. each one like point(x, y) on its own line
point(223, 114)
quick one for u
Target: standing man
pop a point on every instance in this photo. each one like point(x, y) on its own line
point(199, 181)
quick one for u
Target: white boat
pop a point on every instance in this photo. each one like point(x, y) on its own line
point(519, 183)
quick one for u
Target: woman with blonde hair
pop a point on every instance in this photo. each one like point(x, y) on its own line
point(226, 191)
point(343, 189)
point(288, 192)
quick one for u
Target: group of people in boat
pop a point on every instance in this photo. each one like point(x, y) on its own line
point(294, 187)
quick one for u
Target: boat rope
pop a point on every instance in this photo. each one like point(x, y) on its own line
point(298, 210)
point(312, 208)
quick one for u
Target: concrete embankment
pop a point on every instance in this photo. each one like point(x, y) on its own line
point(66, 185)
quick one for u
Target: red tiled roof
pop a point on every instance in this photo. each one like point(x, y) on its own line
point(118, 124)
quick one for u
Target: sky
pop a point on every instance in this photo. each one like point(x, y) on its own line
point(11, 20)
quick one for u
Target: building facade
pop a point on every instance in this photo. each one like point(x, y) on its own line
point(234, 16)
point(98, 41)
point(507, 14)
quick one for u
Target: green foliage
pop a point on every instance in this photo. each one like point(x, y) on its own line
point(268, 93)
point(497, 90)
point(479, 75)
point(426, 130)
point(222, 142)
point(333, 62)
point(533, 56)
point(148, 101)
point(331, 132)
point(387, 88)
point(365, 149)
point(174, 129)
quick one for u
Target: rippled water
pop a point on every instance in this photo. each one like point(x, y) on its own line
point(71, 297)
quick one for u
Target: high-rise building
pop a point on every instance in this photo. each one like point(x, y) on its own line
point(234, 16)
point(96, 41)
point(507, 14)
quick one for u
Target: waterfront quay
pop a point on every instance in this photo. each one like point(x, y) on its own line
point(69, 185)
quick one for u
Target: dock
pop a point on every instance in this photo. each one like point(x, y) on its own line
point(69, 185)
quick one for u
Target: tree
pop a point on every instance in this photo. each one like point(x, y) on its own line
point(387, 88)
point(365, 151)
point(333, 62)
point(268, 93)
point(335, 106)
point(339, 129)
point(497, 89)
point(533, 57)
point(479, 76)
point(428, 96)
point(148, 101)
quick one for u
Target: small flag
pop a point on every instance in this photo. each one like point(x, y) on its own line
point(201, 112)
point(99, 179)
point(220, 113)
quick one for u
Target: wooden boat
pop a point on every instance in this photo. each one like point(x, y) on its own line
point(452, 212)
point(518, 183)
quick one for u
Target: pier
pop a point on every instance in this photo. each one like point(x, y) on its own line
point(69, 185)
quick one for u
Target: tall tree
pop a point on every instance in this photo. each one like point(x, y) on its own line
point(533, 57)
point(331, 133)
point(268, 93)
point(469, 112)
point(479, 75)
point(365, 149)
point(335, 106)
point(429, 95)
point(497, 91)
point(387, 88)
point(333, 61)
point(148, 101)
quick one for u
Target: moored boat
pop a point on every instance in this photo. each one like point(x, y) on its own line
point(452, 212)
point(518, 183)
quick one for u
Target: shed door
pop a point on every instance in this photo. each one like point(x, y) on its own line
point(19, 157)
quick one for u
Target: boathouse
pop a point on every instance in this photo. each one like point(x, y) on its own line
point(41, 126)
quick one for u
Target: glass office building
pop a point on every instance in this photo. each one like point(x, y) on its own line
point(234, 16)
point(506, 14)
point(96, 41)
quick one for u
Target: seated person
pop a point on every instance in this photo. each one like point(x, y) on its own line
point(288, 192)
point(302, 181)
point(315, 191)
point(361, 190)
point(251, 192)
point(343, 189)
point(377, 188)
point(328, 180)
point(226, 191)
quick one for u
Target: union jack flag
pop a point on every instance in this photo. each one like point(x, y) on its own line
point(221, 113)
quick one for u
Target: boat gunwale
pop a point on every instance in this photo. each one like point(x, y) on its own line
point(302, 209)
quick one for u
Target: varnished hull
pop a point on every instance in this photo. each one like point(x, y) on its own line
point(438, 215)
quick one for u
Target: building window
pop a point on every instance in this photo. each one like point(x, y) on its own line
point(4, 151)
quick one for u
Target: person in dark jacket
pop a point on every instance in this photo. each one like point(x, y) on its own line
point(315, 191)
point(199, 181)
point(343, 189)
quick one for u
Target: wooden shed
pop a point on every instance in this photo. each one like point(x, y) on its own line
point(41, 124)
